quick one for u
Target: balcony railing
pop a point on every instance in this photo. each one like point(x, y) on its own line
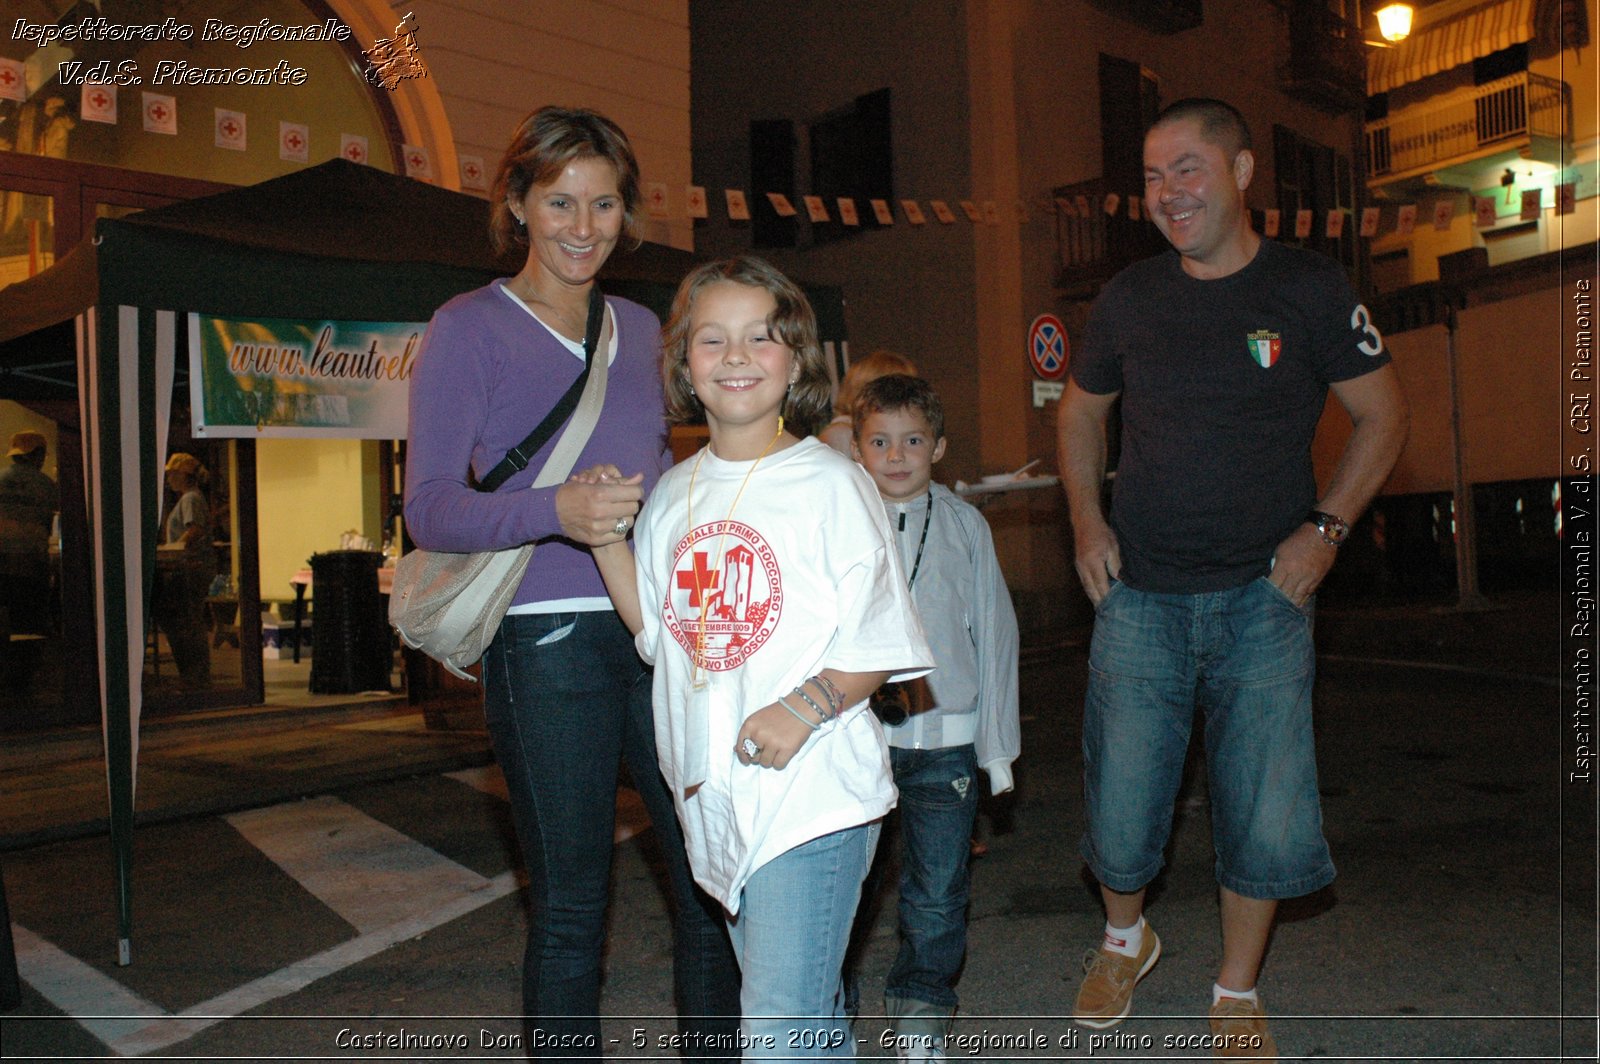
point(1501, 112)
point(1327, 59)
point(1091, 249)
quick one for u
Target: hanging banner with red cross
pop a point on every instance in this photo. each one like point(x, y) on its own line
point(1048, 347)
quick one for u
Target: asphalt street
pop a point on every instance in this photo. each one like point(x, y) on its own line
point(380, 916)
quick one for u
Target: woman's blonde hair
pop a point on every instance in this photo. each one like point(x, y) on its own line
point(880, 363)
point(793, 323)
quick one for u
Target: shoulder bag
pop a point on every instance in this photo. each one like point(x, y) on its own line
point(450, 605)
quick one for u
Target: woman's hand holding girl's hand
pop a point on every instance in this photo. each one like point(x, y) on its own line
point(593, 504)
point(776, 732)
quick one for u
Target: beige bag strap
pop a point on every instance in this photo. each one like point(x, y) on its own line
point(580, 426)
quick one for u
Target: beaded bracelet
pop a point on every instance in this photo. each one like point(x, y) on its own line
point(783, 700)
point(835, 696)
point(812, 702)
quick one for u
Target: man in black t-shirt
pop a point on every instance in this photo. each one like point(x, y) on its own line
point(1203, 578)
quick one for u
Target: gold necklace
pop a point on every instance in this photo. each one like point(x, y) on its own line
point(697, 678)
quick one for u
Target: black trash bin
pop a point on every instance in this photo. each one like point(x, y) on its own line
point(352, 634)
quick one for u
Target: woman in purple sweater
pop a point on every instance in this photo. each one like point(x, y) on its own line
point(565, 696)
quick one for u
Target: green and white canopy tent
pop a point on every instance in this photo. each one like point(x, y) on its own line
point(334, 242)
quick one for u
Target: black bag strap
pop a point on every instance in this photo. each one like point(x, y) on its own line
point(518, 457)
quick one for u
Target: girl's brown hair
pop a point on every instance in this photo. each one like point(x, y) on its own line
point(793, 323)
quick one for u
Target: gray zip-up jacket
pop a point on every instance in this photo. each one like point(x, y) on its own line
point(972, 628)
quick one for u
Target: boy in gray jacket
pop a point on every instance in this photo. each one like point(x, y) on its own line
point(943, 728)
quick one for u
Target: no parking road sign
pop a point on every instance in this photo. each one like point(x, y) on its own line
point(1048, 348)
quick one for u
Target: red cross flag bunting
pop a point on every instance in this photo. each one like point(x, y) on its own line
point(230, 130)
point(655, 200)
point(294, 142)
point(99, 103)
point(473, 174)
point(694, 198)
point(353, 148)
point(419, 164)
point(160, 114)
point(1048, 347)
point(13, 80)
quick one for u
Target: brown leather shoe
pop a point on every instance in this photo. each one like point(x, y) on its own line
point(1106, 995)
point(1240, 1031)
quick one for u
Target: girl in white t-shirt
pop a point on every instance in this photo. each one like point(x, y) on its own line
point(768, 595)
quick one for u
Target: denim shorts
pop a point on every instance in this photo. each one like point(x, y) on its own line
point(1244, 657)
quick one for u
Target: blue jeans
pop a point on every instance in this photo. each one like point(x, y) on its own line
point(1244, 656)
point(790, 936)
point(566, 698)
point(938, 806)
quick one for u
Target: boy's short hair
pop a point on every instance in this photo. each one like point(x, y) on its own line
point(898, 392)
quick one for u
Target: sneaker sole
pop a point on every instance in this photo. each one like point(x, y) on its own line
point(1100, 1023)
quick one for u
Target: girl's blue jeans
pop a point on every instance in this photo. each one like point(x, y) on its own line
point(790, 937)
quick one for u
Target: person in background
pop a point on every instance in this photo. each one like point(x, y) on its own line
point(179, 602)
point(942, 728)
point(29, 501)
point(565, 696)
point(1203, 581)
point(768, 595)
point(879, 363)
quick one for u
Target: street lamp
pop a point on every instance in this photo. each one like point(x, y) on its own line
point(1394, 22)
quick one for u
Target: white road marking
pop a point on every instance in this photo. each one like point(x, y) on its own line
point(387, 885)
point(362, 869)
point(164, 1032)
point(104, 1007)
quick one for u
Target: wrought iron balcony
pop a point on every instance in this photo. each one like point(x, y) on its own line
point(1504, 114)
point(1327, 65)
point(1091, 245)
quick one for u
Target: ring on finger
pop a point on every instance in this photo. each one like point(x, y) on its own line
point(751, 748)
point(621, 527)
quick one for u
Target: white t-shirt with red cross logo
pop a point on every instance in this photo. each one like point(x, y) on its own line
point(802, 576)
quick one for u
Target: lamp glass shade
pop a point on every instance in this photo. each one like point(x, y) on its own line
point(1394, 21)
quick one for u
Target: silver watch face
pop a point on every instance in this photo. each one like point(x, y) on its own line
point(1334, 531)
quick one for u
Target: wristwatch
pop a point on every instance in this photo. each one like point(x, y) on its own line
point(1334, 530)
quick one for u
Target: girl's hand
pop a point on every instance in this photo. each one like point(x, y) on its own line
point(777, 735)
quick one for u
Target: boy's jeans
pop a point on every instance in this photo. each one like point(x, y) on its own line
point(938, 806)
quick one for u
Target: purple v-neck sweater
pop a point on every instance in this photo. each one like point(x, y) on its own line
point(486, 374)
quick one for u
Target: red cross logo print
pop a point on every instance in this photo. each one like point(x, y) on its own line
point(158, 112)
point(353, 153)
point(737, 598)
point(293, 140)
point(230, 128)
point(99, 99)
point(701, 581)
point(7, 77)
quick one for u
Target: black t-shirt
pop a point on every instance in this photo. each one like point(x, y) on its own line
point(1223, 382)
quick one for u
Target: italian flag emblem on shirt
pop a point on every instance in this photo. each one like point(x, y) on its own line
point(1264, 347)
